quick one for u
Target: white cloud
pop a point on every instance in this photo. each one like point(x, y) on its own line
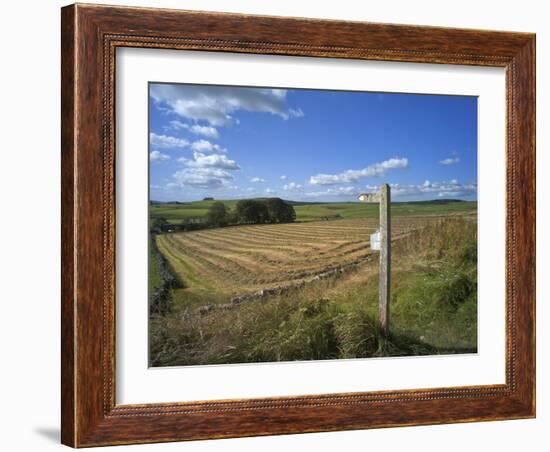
point(216, 104)
point(157, 156)
point(450, 189)
point(206, 171)
point(205, 131)
point(210, 178)
point(257, 179)
point(210, 161)
point(292, 186)
point(167, 142)
point(352, 176)
point(205, 146)
point(296, 112)
point(283, 177)
point(426, 189)
point(270, 191)
point(450, 161)
point(176, 125)
point(331, 192)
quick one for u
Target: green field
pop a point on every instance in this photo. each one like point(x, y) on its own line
point(178, 212)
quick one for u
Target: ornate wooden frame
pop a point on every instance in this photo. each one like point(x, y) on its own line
point(90, 35)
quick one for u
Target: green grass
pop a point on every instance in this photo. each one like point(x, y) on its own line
point(175, 213)
point(155, 280)
point(433, 311)
point(434, 287)
point(202, 294)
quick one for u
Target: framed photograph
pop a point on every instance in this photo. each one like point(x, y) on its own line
point(282, 225)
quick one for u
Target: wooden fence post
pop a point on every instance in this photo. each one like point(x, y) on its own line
point(385, 260)
point(382, 241)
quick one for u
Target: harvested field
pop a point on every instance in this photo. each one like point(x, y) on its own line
point(232, 261)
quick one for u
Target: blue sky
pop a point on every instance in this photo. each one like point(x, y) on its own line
point(312, 145)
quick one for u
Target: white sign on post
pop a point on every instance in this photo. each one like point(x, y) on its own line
point(375, 241)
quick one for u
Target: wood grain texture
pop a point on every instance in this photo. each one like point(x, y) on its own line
point(68, 310)
point(90, 36)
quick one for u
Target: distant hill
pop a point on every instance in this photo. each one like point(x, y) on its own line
point(304, 203)
point(432, 201)
point(176, 212)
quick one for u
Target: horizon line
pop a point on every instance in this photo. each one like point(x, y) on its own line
point(309, 202)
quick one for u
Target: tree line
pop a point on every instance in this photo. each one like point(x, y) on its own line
point(251, 211)
point(246, 211)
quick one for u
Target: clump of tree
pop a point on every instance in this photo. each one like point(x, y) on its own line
point(251, 211)
point(217, 214)
point(258, 211)
point(280, 211)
